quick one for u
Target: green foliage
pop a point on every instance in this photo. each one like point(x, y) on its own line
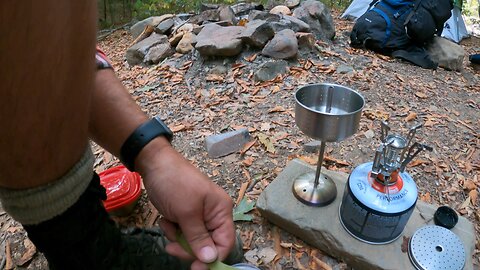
point(240, 212)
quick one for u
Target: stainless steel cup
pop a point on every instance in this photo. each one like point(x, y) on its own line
point(328, 112)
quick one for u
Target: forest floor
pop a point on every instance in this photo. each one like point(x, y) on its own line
point(199, 97)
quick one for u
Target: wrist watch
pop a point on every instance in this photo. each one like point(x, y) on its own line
point(140, 137)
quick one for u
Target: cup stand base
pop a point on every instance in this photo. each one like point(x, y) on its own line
point(305, 191)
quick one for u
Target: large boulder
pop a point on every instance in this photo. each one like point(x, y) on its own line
point(215, 40)
point(318, 16)
point(257, 33)
point(135, 55)
point(446, 53)
point(137, 28)
point(282, 46)
point(157, 53)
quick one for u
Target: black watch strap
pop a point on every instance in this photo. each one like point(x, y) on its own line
point(141, 137)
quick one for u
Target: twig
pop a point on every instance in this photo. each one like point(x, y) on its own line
point(108, 32)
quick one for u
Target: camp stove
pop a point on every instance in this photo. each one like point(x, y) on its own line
point(380, 196)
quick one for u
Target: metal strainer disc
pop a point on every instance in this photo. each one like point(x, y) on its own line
point(436, 248)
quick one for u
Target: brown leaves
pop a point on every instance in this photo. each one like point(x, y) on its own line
point(421, 95)
point(277, 109)
point(212, 77)
point(376, 114)
point(267, 142)
point(30, 251)
point(404, 246)
point(426, 197)
point(411, 116)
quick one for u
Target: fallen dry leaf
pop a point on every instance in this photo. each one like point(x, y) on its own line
point(404, 246)
point(248, 161)
point(177, 128)
point(267, 142)
point(212, 77)
point(469, 185)
point(8, 257)
point(418, 162)
point(277, 109)
point(420, 95)
point(241, 192)
point(323, 265)
point(411, 116)
point(247, 147)
point(426, 197)
point(30, 251)
point(473, 195)
point(251, 58)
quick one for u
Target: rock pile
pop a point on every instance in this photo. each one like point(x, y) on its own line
point(227, 30)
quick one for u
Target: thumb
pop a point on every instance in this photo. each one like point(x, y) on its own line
point(200, 241)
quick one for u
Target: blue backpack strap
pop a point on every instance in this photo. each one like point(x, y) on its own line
point(388, 31)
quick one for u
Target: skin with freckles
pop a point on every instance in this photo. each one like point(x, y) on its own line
point(53, 101)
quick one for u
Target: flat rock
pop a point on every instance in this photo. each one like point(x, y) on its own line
point(164, 26)
point(157, 53)
point(263, 15)
point(446, 53)
point(344, 69)
point(223, 144)
point(312, 147)
point(321, 227)
point(271, 69)
point(318, 16)
point(225, 13)
point(292, 3)
point(185, 44)
point(242, 8)
point(282, 46)
point(289, 22)
point(257, 33)
point(209, 15)
point(284, 10)
point(305, 40)
point(215, 40)
point(137, 28)
point(135, 55)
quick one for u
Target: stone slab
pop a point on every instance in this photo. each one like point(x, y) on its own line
point(321, 227)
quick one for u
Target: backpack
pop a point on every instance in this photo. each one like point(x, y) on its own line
point(427, 19)
point(381, 28)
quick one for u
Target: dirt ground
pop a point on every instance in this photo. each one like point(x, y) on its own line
point(199, 97)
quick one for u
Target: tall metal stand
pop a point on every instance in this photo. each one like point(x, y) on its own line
point(315, 189)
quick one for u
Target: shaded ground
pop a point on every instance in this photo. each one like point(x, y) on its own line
point(199, 97)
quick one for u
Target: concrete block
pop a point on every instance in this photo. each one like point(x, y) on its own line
point(321, 227)
point(220, 145)
point(312, 147)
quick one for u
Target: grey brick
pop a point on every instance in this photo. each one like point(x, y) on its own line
point(220, 145)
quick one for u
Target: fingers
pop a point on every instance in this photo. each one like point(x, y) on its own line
point(199, 239)
point(224, 238)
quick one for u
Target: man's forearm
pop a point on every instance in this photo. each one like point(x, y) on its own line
point(115, 115)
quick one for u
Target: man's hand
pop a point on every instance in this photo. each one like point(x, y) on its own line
point(187, 197)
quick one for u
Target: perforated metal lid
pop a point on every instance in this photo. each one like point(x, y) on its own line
point(436, 248)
